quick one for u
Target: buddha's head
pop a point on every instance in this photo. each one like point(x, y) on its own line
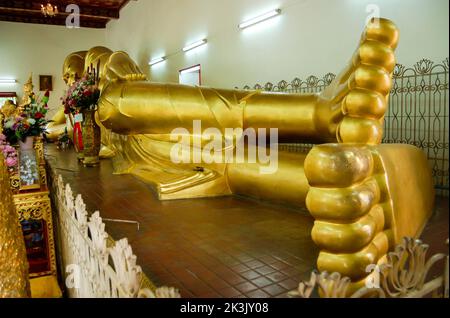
point(97, 58)
point(73, 67)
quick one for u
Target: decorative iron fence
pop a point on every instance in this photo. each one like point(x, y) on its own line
point(418, 112)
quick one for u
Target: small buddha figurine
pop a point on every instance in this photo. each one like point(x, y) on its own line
point(28, 94)
point(8, 110)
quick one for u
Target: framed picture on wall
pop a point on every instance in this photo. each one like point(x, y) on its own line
point(45, 82)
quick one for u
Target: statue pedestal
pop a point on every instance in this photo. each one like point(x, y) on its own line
point(34, 211)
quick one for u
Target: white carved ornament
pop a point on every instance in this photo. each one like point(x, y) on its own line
point(84, 248)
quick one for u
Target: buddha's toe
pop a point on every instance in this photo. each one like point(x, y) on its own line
point(344, 199)
point(358, 104)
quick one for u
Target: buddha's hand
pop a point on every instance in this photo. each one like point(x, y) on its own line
point(121, 67)
point(352, 108)
point(344, 199)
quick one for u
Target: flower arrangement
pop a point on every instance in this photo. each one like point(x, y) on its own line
point(82, 95)
point(9, 153)
point(31, 122)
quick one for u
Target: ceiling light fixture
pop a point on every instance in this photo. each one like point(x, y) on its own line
point(49, 10)
point(260, 18)
point(157, 60)
point(7, 81)
point(195, 45)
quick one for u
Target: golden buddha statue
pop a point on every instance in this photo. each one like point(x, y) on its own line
point(363, 199)
point(28, 94)
point(73, 69)
point(8, 110)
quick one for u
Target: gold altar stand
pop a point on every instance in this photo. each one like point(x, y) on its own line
point(32, 201)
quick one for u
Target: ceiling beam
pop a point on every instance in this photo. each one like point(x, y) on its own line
point(85, 10)
point(29, 11)
point(84, 23)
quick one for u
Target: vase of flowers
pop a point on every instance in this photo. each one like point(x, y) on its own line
point(27, 144)
point(81, 101)
point(29, 124)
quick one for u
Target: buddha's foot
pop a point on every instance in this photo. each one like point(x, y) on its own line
point(362, 204)
point(353, 107)
point(344, 198)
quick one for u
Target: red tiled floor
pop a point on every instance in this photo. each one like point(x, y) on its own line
point(254, 264)
point(261, 282)
point(240, 268)
point(219, 247)
point(289, 284)
point(250, 275)
point(264, 270)
point(246, 287)
point(275, 290)
point(229, 292)
point(276, 276)
point(257, 294)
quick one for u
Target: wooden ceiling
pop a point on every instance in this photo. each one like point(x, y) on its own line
point(93, 13)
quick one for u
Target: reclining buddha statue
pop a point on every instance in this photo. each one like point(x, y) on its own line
point(73, 69)
point(365, 196)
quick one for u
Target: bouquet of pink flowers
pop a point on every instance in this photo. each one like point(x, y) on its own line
point(82, 95)
point(9, 153)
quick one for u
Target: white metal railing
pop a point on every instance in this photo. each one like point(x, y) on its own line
point(95, 265)
point(406, 274)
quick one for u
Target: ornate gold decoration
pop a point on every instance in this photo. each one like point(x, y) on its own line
point(37, 206)
point(13, 262)
point(91, 139)
point(33, 203)
point(402, 276)
point(15, 183)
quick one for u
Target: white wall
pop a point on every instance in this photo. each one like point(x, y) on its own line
point(41, 49)
point(310, 37)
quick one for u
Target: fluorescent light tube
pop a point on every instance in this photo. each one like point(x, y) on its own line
point(157, 60)
point(7, 81)
point(195, 45)
point(191, 69)
point(260, 18)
